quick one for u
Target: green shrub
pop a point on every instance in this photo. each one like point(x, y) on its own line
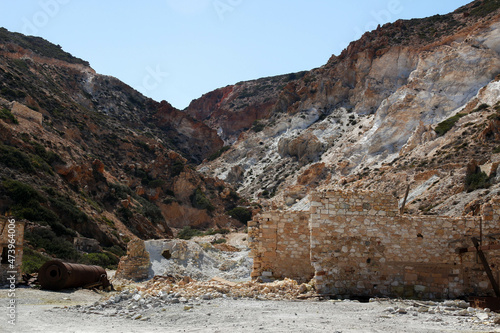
point(15, 159)
point(68, 210)
point(108, 222)
point(258, 126)
point(476, 181)
point(21, 64)
point(115, 249)
point(481, 107)
point(234, 195)
point(242, 214)
point(28, 205)
point(219, 241)
point(156, 183)
point(32, 261)
point(40, 164)
point(34, 212)
point(169, 200)
point(117, 192)
point(12, 94)
point(248, 93)
point(188, 233)
point(177, 168)
point(125, 214)
point(151, 211)
point(105, 259)
point(21, 192)
point(211, 232)
point(47, 155)
point(46, 239)
point(122, 191)
point(144, 176)
point(5, 114)
point(200, 201)
point(443, 127)
point(485, 8)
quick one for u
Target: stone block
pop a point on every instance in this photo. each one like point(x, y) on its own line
point(419, 288)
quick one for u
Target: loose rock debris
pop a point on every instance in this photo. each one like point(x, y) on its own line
point(160, 294)
point(279, 290)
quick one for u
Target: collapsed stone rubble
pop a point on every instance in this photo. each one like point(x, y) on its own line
point(163, 294)
point(160, 293)
point(457, 308)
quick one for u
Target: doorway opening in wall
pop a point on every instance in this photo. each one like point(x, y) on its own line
point(5, 256)
point(360, 298)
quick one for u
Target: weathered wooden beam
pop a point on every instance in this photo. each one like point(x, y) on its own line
point(402, 209)
point(486, 266)
point(482, 248)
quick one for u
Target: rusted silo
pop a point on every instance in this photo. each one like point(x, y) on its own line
point(56, 275)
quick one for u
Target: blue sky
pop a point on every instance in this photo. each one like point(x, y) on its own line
point(177, 50)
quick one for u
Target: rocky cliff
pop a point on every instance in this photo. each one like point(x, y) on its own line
point(412, 103)
point(85, 155)
point(236, 108)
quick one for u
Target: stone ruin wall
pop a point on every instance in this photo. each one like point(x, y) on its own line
point(135, 265)
point(25, 112)
point(357, 243)
point(283, 249)
point(5, 267)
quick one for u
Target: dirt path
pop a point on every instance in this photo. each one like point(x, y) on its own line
point(43, 311)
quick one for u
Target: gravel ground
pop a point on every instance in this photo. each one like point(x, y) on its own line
point(83, 311)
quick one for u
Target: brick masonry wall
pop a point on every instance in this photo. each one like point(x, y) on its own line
point(360, 245)
point(4, 243)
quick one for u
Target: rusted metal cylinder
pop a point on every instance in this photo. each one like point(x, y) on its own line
point(56, 275)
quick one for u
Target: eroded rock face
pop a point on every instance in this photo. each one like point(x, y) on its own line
point(180, 216)
point(421, 135)
point(306, 148)
point(236, 174)
point(234, 109)
point(376, 107)
point(443, 81)
point(194, 138)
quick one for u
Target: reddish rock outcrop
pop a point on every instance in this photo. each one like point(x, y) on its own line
point(194, 138)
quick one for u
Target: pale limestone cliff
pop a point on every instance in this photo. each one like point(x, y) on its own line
point(369, 118)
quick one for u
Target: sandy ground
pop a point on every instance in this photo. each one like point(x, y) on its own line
point(44, 311)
